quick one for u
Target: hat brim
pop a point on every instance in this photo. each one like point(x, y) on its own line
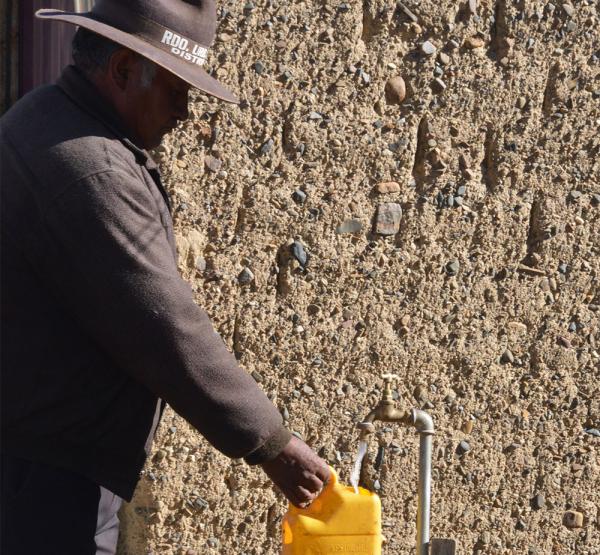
point(192, 74)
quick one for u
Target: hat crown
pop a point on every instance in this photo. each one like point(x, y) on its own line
point(195, 19)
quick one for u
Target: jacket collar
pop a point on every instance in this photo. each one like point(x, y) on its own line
point(77, 87)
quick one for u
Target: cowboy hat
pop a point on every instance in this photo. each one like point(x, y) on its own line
point(175, 34)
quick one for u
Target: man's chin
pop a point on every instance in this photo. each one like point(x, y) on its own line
point(163, 133)
point(155, 143)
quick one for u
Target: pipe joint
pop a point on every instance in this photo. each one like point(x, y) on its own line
point(422, 421)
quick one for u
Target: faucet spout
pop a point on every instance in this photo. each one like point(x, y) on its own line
point(385, 411)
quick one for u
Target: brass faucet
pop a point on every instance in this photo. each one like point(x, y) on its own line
point(385, 409)
point(423, 424)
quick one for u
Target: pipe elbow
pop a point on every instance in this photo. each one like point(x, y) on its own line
point(422, 421)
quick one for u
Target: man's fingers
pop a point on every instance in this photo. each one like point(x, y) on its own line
point(312, 482)
point(301, 497)
point(323, 473)
point(298, 472)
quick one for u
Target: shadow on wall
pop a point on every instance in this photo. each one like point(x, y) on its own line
point(136, 518)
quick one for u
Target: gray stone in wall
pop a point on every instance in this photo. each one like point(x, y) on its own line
point(387, 220)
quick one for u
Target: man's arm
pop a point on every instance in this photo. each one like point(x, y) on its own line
point(113, 269)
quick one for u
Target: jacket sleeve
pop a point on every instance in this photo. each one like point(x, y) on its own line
point(114, 270)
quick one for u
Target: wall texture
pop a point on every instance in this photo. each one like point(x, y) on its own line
point(483, 297)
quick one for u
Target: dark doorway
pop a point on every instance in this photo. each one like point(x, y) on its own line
point(33, 51)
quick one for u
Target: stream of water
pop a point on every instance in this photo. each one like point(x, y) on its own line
point(355, 477)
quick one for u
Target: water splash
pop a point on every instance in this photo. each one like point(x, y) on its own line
point(355, 476)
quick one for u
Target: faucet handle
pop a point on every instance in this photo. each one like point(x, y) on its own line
point(388, 380)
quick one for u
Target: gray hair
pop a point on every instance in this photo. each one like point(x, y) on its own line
point(92, 52)
point(148, 72)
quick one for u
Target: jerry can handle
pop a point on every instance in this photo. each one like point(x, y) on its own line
point(332, 482)
point(333, 479)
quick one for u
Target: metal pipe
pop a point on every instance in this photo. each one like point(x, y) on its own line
point(424, 425)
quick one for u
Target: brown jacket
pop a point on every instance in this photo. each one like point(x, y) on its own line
point(96, 322)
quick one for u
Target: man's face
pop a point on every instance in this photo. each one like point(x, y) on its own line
point(153, 109)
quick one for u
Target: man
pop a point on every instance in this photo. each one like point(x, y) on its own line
point(97, 326)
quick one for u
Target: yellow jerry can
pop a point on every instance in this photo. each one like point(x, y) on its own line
point(339, 521)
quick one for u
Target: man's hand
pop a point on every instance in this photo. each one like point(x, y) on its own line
point(298, 472)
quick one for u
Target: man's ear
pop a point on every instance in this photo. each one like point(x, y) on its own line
point(120, 67)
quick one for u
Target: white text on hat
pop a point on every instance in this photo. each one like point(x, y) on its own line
point(179, 47)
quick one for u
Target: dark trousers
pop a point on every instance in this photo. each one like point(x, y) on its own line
point(49, 511)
